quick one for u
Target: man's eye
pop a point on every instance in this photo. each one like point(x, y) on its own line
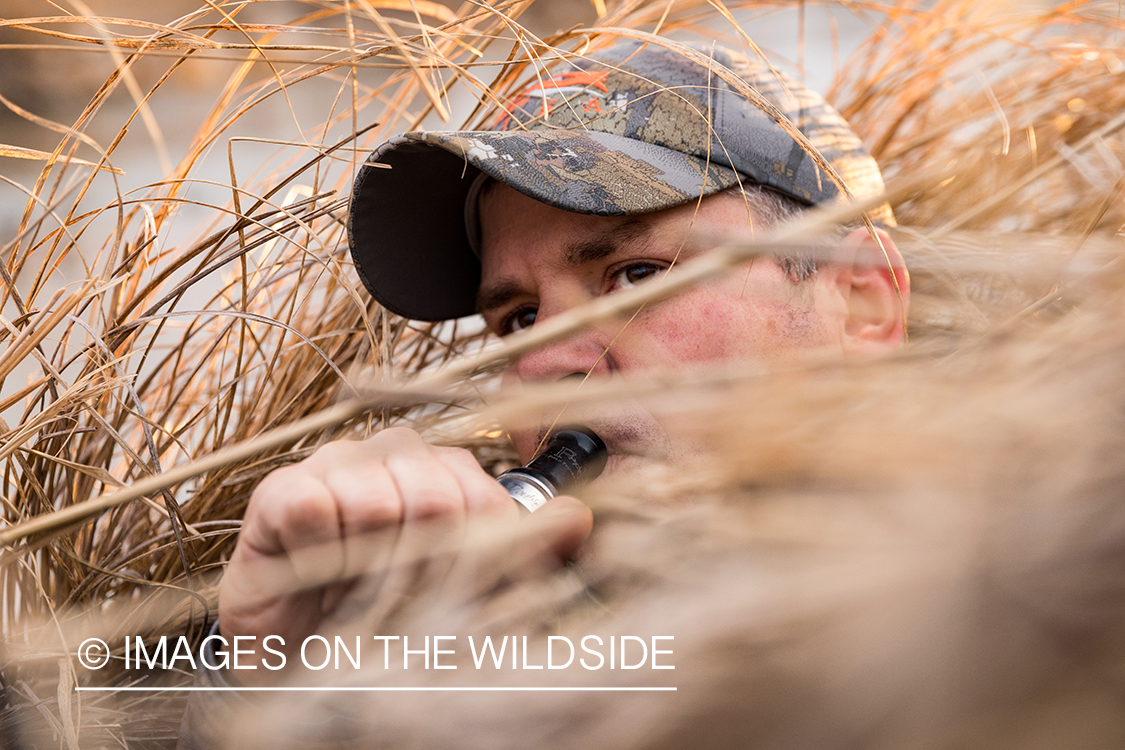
point(634, 274)
point(518, 321)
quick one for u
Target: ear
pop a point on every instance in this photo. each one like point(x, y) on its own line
point(876, 288)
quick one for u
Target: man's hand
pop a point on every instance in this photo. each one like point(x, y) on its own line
point(375, 491)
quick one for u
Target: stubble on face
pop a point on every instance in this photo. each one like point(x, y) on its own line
point(529, 254)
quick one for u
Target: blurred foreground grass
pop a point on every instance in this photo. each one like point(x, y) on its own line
point(148, 326)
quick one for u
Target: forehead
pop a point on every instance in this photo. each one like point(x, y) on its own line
point(527, 245)
point(515, 227)
point(507, 215)
point(522, 239)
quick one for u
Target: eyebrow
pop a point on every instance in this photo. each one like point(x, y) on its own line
point(497, 295)
point(576, 254)
point(605, 244)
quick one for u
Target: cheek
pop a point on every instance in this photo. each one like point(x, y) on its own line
point(721, 328)
point(696, 331)
point(525, 438)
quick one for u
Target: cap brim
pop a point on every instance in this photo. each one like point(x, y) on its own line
point(407, 230)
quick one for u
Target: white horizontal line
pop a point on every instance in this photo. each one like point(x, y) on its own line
point(287, 688)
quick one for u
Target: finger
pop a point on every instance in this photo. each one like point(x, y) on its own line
point(558, 528)
point(483, 494)
point(368, 501)
point(426, 485)
point(498, 552)
point(415, 573)
point(292, 509)
point(368, 497)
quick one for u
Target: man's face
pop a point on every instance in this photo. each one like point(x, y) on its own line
point(539, 261)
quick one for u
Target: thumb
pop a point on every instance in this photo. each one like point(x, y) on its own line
point(560, 527)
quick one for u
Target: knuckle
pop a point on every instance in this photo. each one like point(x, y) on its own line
point(274, 486)
point(398, 438)
point(460, 457)
point(328, 451)
point(289, 509)
point(371, 507)
point(361, 488)
point(383, 511)
point(306, 507)
point(330, 455)
point(430, 502)
point(495, 496)
point(483, 489)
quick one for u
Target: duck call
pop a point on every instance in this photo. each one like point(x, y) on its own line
point(572, 455)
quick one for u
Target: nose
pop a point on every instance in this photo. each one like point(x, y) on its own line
point(586, 352)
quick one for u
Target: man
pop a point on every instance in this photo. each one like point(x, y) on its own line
point(623, 164)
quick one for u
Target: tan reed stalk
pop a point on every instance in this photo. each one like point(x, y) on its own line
point(178, 372)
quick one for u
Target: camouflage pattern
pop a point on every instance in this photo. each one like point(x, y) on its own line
point(587, 172)
point(631, 129)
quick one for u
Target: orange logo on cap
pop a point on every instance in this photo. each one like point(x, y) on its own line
point(567, 84)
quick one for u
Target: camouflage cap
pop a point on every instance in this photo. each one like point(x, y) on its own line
point(630, 129)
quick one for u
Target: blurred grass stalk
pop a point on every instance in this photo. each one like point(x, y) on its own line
point(997, 127)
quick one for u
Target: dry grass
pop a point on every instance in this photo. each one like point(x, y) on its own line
point(988, 451)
